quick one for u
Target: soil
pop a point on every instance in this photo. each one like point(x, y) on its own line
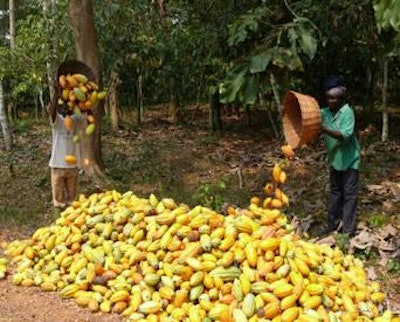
point(191, 165)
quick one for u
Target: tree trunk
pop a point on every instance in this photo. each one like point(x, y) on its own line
point(215, 111)
point(276, 94)
point(11, 8)
point(48, 7)
point(81, 16)
point(385, 113)
point(113, 100)
point(173, 108)
point(3, 121)
point(140, 112)
point(3, 115)
point(270, 118)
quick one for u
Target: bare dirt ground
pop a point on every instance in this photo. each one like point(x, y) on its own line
point(190, 165)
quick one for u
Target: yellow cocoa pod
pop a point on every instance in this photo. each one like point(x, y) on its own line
point(70, 159)
point(270, 243)
point(271, 310)
point(79, 94)
point(119, 296)
point(312, 302)
point(314, 289)
point(101, 95)
point(276, 173)
point(302, 267)
point(48, 287)
point(290, 314)
point(282, 177)
point(283, 290)
point(105, 306)
point(378, 297)
point(276, 203)
point(288, 302)
point(90, 129)
point(80, 78)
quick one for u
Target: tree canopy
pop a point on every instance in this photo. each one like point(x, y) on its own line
point(237, 46)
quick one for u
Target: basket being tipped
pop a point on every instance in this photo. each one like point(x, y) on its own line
point(76, 87)
point(301, 119)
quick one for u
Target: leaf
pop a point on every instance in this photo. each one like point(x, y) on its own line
point(249, 90)
point(232, 83)
point(249, 22)
point(285, 58)
point(307, 42)
point(387, 14)
point(259, 62)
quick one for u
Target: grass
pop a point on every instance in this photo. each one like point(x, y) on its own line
point(21, 217)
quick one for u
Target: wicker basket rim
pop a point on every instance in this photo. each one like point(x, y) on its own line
point(73, 66)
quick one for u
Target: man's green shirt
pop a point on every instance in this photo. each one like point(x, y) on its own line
point(343, 154)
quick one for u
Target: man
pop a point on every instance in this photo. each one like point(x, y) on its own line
point(338, 128)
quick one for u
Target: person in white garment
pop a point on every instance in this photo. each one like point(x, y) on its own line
point(65, 142)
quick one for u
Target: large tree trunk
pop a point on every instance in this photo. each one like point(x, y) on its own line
point(82, 21)
point(3, 121)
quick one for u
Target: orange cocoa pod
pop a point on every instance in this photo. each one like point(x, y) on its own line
point(90, 118)
point(70, 159)
point(99, 269)
point(62, 81)
point(68, 123)
point(88, 105)
point(288, 151)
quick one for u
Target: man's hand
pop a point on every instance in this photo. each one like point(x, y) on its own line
point(334, 134)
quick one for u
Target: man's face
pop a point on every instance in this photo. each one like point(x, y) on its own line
point(333, 102)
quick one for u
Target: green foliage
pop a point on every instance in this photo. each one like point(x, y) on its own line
point(387, 14)
point(367, 254)
point(393, 266)
point(208, 140)
point(286, 47)
point(342, 241)
point(40, 38)
point(22, 126)
point(377, 220)
point(236, 45)
point(241, 28)
point(211, 195)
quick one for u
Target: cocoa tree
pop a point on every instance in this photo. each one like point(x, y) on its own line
point(82, 21)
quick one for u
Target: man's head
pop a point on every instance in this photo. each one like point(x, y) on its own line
point(335, 91)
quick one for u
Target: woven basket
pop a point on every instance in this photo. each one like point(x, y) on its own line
point(301, 119)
